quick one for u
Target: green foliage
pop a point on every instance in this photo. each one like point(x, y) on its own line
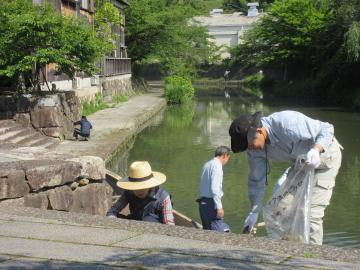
point(180, 116)
point(284, 35)
point(105, 18)
point(310, 47)
point(93, 106)
point(352, 42)
point(252, 84)
point(160, 31)
point(178, 89)
point(241, 5)
point(122, 97)
point(308, 254)
point(33, 36)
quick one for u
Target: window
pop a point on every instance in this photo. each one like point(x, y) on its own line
point(85, 4)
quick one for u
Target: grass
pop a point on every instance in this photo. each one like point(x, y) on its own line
point(308, 255)
point(98, 104)
point(121, 97)
point(93, 106)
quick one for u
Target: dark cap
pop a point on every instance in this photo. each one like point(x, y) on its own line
point(239, 129)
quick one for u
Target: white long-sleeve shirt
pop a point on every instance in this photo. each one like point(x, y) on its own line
point(211, 181)
point(290, 134)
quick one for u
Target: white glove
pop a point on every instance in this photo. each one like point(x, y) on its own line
point(250, 222)
point(313, 157)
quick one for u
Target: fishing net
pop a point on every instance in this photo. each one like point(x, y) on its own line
point(287, 213)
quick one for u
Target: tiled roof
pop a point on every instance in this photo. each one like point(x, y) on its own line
point(226, 19)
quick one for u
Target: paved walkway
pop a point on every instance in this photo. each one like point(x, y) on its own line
point(113, 126)
point(42, 239)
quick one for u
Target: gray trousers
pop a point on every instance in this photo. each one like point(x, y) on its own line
point(321, 194)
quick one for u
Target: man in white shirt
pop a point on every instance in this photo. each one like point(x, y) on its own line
point(283, 136)
point(210, 206)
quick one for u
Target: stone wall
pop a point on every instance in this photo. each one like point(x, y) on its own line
point(73, 184)
point(116, 85)
point(52, 114)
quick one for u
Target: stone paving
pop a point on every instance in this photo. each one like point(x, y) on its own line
point(43, 239)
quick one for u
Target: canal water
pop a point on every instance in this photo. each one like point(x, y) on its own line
point(182, 138)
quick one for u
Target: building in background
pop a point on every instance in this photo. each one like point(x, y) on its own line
point(228, 29)
point(115, 69)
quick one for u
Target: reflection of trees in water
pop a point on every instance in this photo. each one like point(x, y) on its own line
point(214, 117)
point(348, 179)
point(180, 116)
point(342, 215)
point(119, 162)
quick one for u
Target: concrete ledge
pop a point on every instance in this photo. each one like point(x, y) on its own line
point(177, 239)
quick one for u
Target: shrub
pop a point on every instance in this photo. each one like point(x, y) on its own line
point(178, 89)
point(252, 84)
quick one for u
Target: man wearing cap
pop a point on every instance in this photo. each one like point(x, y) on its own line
point(210, 206)
point(283, 136)
point(147, 201)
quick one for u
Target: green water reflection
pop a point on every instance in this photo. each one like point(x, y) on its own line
point(182, 138)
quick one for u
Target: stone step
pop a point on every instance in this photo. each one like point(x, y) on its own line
point(5, 129)
point(51, 144)
point(29, 139)
point(5, 123)
point(35, 141)
point(23, 133)
point(42, 141)
point(22, 136)
point(9, 134)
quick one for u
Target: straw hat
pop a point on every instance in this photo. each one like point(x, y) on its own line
point(141, 176)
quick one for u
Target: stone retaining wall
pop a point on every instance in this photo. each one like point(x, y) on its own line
point(116, 85)
point(73, 184)
point(52, 114)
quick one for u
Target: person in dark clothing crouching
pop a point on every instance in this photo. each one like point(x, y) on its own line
point(84, 130)
point(146, 199)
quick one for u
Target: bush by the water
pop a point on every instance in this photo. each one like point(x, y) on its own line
point(178, 89)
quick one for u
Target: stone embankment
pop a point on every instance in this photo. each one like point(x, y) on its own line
point(67, 175)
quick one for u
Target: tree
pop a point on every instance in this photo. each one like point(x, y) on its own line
point(283, 36)
point(241, 5)
point(160, 31)
point(35, 36)
point(106, 16)
point(315, 44)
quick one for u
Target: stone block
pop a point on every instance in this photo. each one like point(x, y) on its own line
point(60, 198)
point(12, 184)
point(7, 104)
point(45, 117)
point(94, 199)
point(11, 203)
point(23, 119)
point(39, 200)
point(24, 103)
point(48, 175)
point(55, 132)
point(91, 167)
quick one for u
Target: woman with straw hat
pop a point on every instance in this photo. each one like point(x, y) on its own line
point(147, 201)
